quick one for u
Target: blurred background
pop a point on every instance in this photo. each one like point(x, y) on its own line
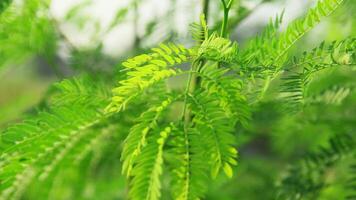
point(42, 42)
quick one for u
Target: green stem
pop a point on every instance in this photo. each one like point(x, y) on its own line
point(226, 8)
point(224, 24)
point(191, 86)
point(206, 9)
point(187, 90)
point(135, 22)
point(197, 79)
point(193, 79)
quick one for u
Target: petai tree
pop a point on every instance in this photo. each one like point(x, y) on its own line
point(173, 142)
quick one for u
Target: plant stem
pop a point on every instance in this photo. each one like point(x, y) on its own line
point(193, 79)
point(190, 87)
point(206, 9)
point(224, 24)
point(206, 16)
point(226, 8)
point(135, 24)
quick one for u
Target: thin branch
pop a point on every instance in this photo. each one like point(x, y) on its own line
point(193, 79)
point(226, 8)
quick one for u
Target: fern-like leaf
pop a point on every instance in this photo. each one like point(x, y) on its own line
point(137, 137)
point(304, 179)
point(299, 28)
point(294, 85)
point(218, 49)
point(215, 129)
point(26, 147)
point(146, 70)
point(146, 173)
point(188, 164)
point(35, 147)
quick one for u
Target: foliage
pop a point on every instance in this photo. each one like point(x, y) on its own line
point(180, 142)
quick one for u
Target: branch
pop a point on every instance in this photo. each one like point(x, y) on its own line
point(226, 8)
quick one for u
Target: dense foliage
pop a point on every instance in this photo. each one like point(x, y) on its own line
point(168, 122)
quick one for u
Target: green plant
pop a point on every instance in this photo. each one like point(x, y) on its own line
point(83, 124)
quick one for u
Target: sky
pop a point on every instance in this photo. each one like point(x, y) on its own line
point(117, 41)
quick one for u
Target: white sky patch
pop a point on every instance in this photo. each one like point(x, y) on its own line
point(121, 38)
